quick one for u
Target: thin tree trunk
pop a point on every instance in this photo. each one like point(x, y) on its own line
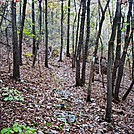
point(68, 30)
point(34, 33)
point(109, 66)
point(133, 44)
point(62, 15)
point(16, 68)
point(122, 61)
point(87, 43)
point(46, 24)
point(77, 32)
point(128, 91)
point(40, 24)
point(118, 47)
point(21, 29)
point(96, 48)
point(73, 46)
point(80, 44)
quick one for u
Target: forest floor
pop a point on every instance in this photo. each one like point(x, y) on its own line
point(52, 104)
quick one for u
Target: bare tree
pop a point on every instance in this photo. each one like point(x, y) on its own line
point(22, 21)
point(62, 15)
point(68, 30)
point(46, 43)
point(109, 66)
point(80, 44)
point(96, 48)
point(16, 67)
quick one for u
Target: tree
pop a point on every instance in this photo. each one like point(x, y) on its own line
point(16, 67)
point(80, 44)
point(87, 43)
point(62, 15)
point(123, 57)
point(21, 29)
point(77, 33)
point(46, 43)
point(73, 28)
point(118, 47)
point(40, 23)
point(68, 29)
point(109, 66)
point(128, 91)
point(96, 48)
point(34, 34)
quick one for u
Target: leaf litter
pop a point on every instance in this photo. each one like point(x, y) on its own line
point(54, 105)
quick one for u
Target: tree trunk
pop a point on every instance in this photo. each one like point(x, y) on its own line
point(46, 43)
point(77, 33)
point(21, 29)
point(73, 46)
point(118, 46)
point(68, 30)
point(80, 44)
point(133, 44)
point(96, 48)
point(62, 15)
point(128, 91)
point(109, 66)
point(122, 61)
point(33, 32)
point(16, 68)
point(40, 23)
point(87, 43)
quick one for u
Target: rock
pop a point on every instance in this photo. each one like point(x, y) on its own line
point(71, 118)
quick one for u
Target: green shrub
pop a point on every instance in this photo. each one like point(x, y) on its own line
point(18, 129)
point(11, 94)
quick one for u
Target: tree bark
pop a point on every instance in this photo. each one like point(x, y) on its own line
point(46, 43)
point(21, 29)
point(118, 46)
point(80, 44)
point(62, 15)
point(34, 34)
point(109, 66)
point(73, 46)
point(68, 30)
point(16, 68)
point(87, 43)
point(122, 61)
point(96, 49)
point(128, 91)
point(77, 34)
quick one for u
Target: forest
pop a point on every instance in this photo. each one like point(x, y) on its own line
point(66, 67)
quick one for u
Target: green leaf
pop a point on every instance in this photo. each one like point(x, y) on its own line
point(123, 29)
point(21, 98)
point(11, 132)
point(48, 124)
point(16, 98)
point(21, 133)
point(60, 127)
point(17, 129)
point(5, 94)
point(6, 99)
point(11, 90)
point(29, 132)
point(5, 130)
